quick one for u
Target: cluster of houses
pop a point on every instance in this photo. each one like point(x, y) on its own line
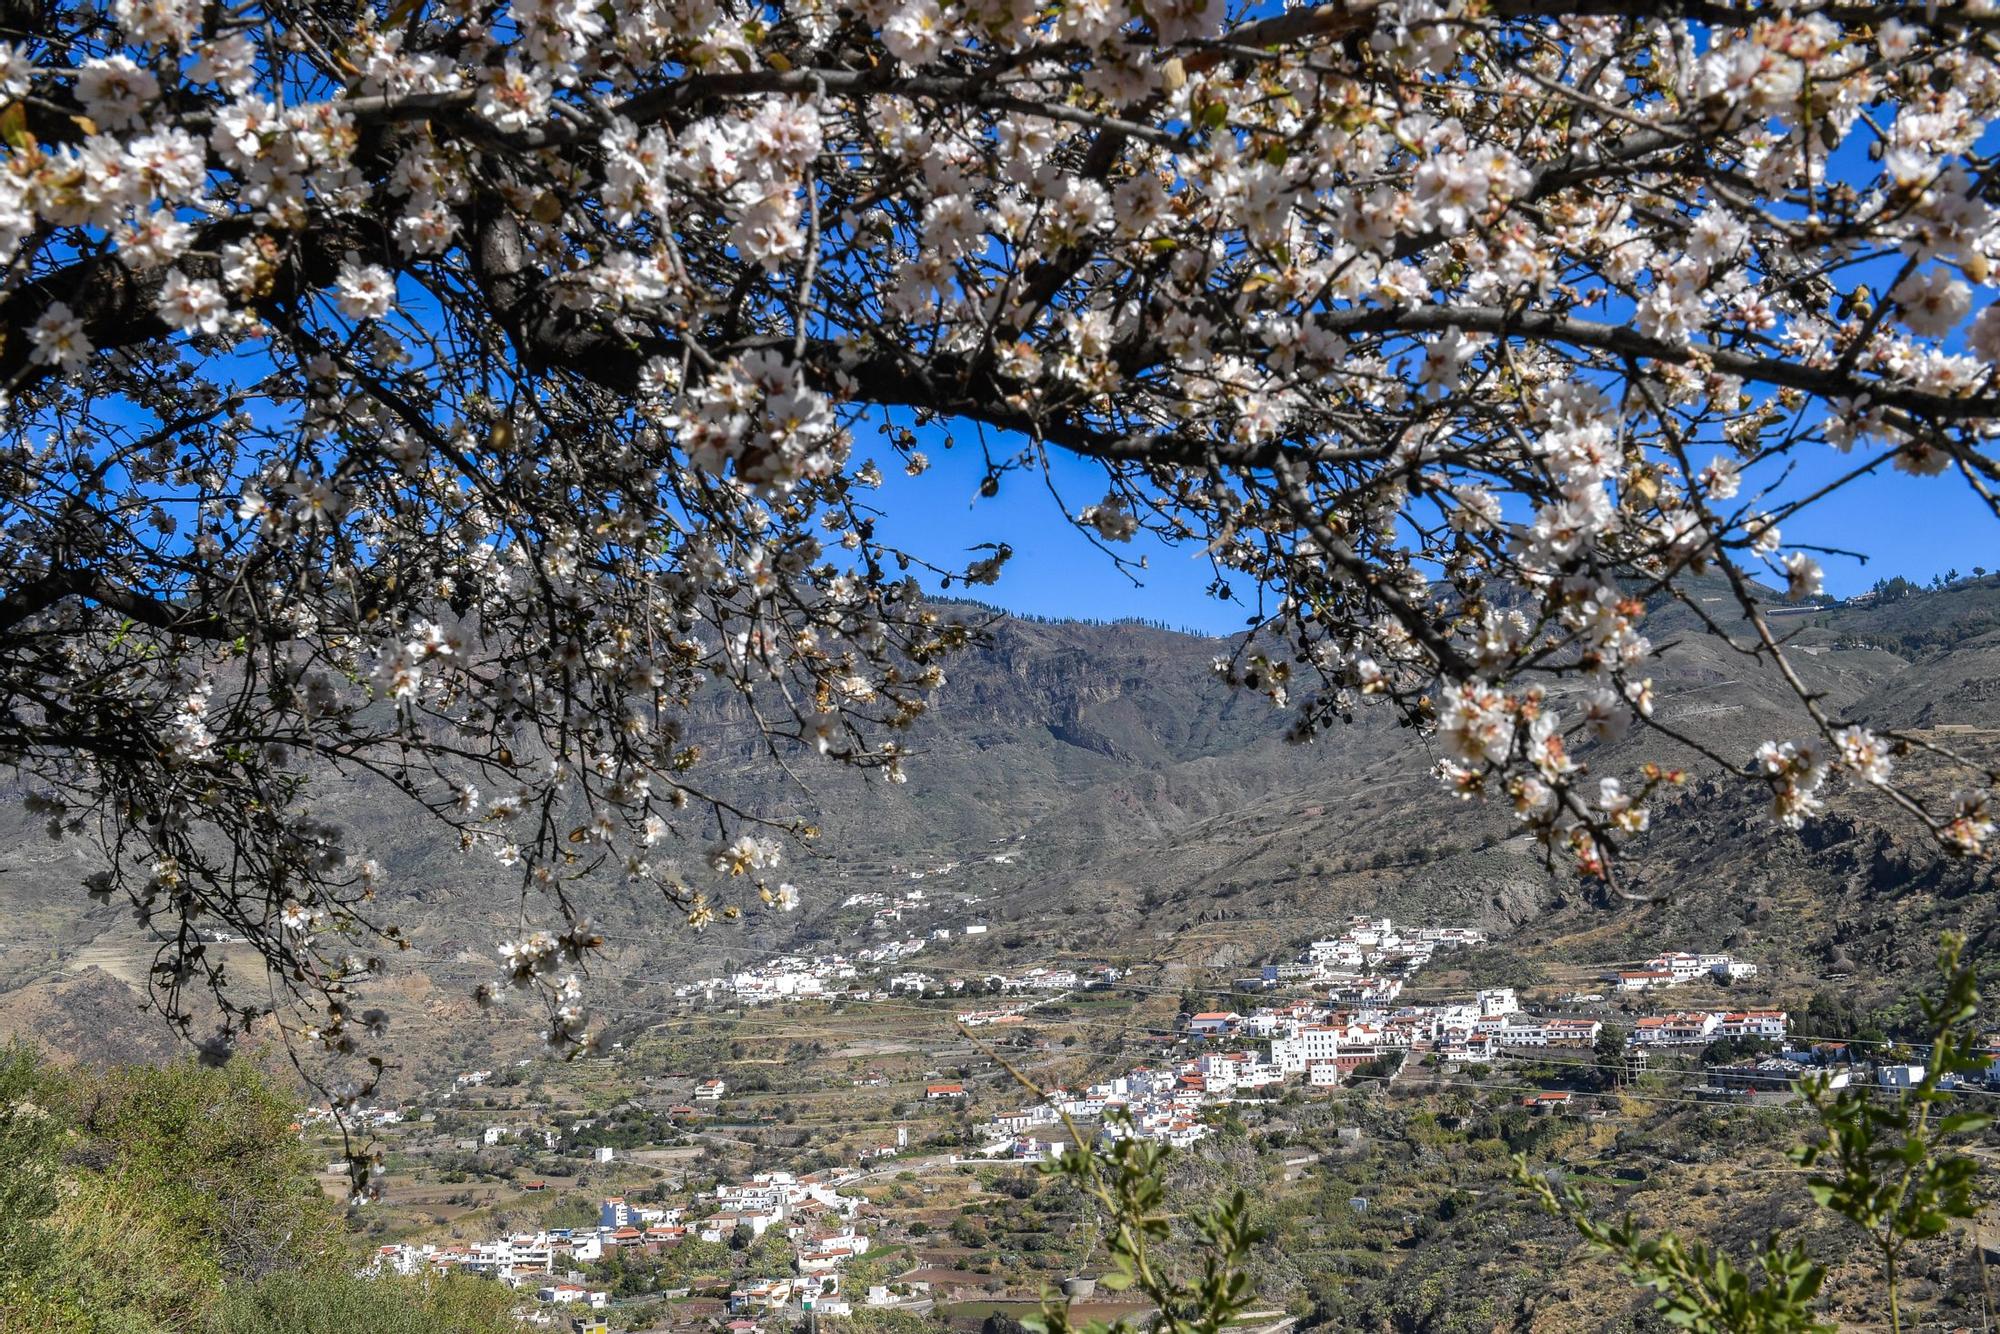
point(1355, 1020)
point(1368, 962)
point(1322, 1044)
point(813, 1215)
point(818, 1221)
point(1166, 1102)
point(1040, 981)
point(890, 909)
point(1675, 968)
point(796, 977)
point(1323, 1040)
point(1314, 1041)
point(805, 976)
point(1698, 1028)
point(1774, 1080)
point(364, 1114)
point(875, 974)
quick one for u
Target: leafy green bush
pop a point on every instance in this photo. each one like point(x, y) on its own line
point(339, 1304)
point(168, 1200)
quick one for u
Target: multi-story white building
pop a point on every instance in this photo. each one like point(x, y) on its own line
point(1684, 1029)
point(1337, 953)
point(1767, 1024)
point(766, 1190)
point(1681, 966)
point(1366, 990)
point(1371, 930)
point(1314, 1042)
point(1213, 1023)
point(1463, 1045)
point(1445, 1018)
point(1572, 1032)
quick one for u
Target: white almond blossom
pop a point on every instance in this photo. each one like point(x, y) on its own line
point(364, 291)
point(115, 91)
point(193, 305)
point(58, 339)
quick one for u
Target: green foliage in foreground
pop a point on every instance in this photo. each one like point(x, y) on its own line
point(1699, 1288)
point(289, 1304)
point(1883, 1166)
point(145, 1200)
point(877, 1320)
point(1126, 1181)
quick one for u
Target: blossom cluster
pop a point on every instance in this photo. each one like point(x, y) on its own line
point(474, 398)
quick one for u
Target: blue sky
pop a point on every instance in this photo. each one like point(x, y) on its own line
point(1909, 526)
point(1915, 527)
point(1055, 571)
